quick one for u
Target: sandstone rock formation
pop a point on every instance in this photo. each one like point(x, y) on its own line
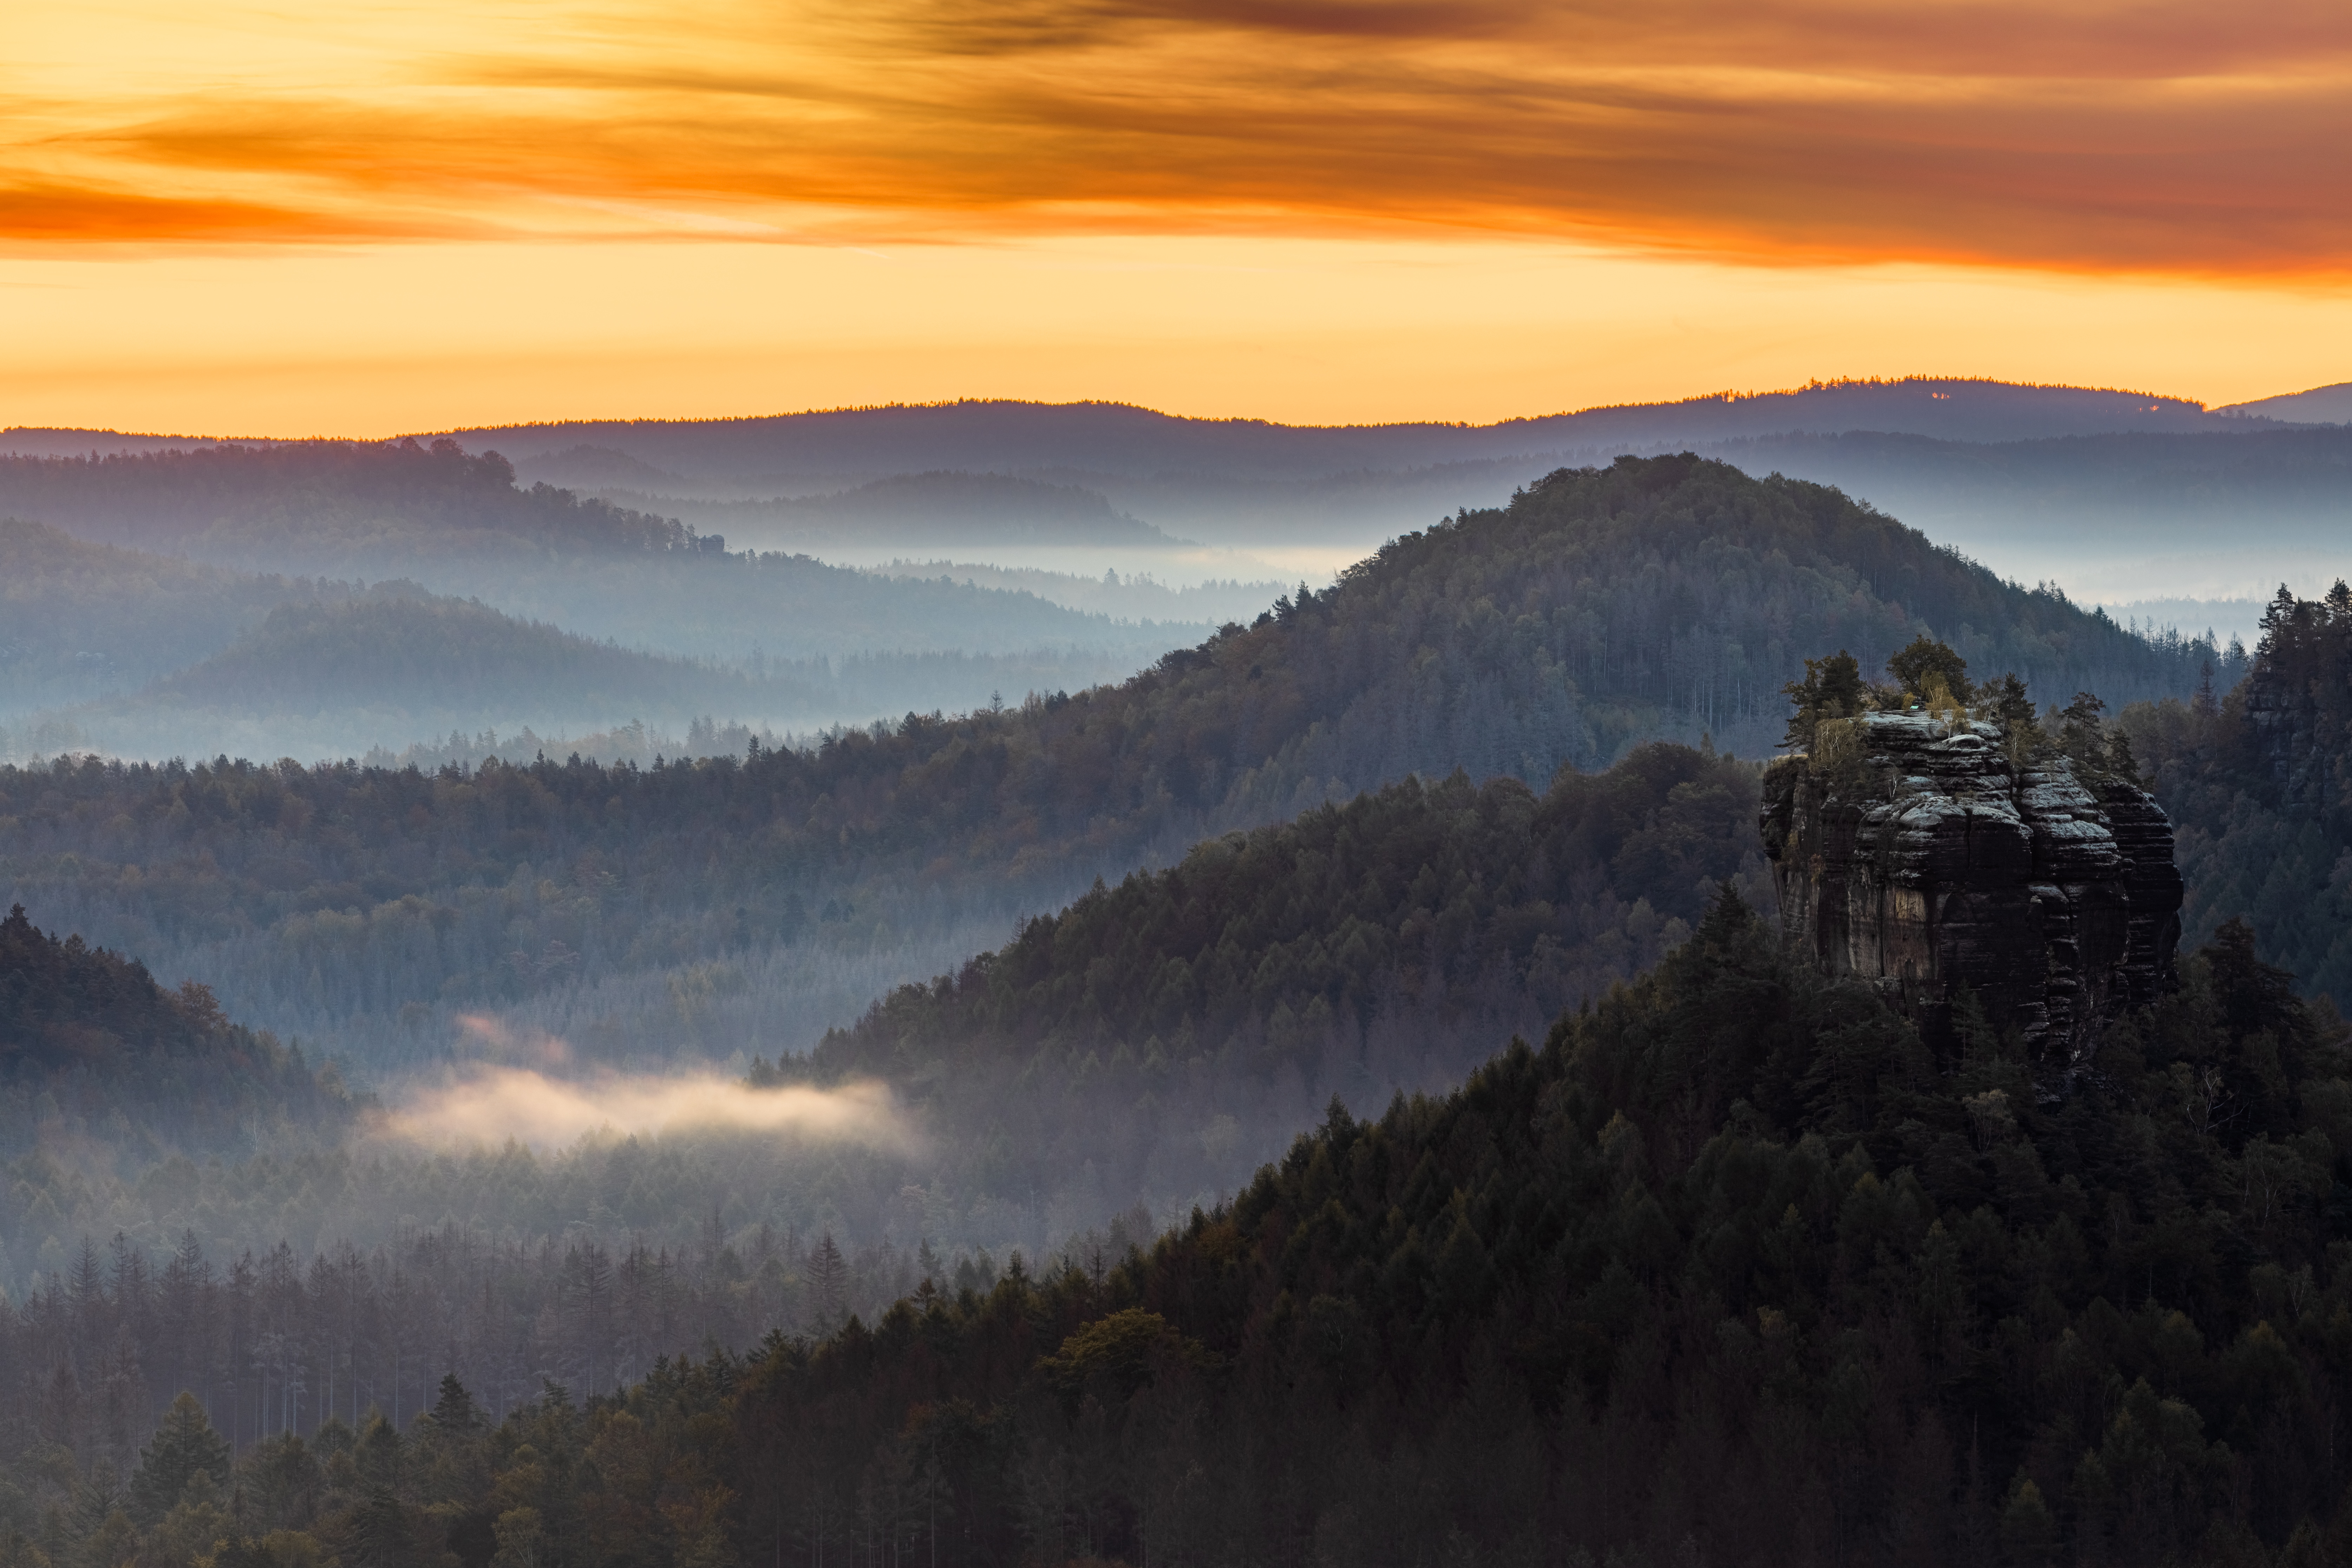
point(1918, 857)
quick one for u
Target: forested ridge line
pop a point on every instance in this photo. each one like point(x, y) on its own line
point(1600, 608)
point(299, 492)
point(1733, 1269)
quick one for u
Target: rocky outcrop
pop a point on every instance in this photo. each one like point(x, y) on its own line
point(1925, 862)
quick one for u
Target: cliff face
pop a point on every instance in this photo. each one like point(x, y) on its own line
point(1927, 863)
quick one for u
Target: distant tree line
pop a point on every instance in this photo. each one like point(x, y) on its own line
point(292, 493)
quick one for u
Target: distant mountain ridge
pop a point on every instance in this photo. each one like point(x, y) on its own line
point(2321, 405)
point(1123, 439)
point(1126, 438)
point(923, 510)
point(796, 480)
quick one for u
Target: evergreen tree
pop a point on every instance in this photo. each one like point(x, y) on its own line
point(183, 1448)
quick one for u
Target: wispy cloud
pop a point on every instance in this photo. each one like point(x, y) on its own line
point(492, 1104)
point(2164, 136)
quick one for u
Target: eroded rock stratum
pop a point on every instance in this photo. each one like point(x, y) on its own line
point(1925, 861)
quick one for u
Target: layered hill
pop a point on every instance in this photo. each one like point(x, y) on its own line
point(1991, 466)
point(78, 619)
point(392, 665)
point(298, 497)
point(1242, 483)
point(459, 524)
point(932, 510)
point(1603, 609)
point(395, 664)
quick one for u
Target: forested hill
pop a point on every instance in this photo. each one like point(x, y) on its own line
point(86, 617)
point(398, 646)
point(92, 1047)
point(1364, 949)
point(299, 496)
point(972, 512)
point(1730, 1272)
point(1602, 608)
point(2258, 780)
point(78, 619)
point(336, 676)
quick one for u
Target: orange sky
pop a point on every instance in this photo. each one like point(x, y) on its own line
point(302, 217)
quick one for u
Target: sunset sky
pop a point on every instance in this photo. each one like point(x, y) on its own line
point(359, 218)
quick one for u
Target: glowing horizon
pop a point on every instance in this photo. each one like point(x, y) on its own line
point(366, 218)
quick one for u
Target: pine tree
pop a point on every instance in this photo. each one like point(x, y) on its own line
point(455, 1414)
point(183, 1446)
point(828, 1281)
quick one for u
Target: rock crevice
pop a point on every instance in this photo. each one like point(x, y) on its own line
point(1925, 862)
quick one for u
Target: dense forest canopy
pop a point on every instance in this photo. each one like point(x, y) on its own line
point(1733, 1269)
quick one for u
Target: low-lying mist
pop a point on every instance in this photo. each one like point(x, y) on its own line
point(487, 1105)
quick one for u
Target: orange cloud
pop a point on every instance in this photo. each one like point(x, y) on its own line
point(2163, 137)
